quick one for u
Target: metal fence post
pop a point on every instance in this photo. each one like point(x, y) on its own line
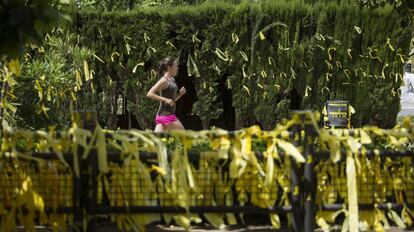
point(91, 190)
point(296, 198)
point(86, 119)
point(309, 182)
point(77, 198)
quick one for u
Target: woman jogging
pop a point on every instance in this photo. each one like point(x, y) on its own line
point(165, 91)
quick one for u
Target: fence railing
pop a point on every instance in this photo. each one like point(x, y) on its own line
point(313, 193)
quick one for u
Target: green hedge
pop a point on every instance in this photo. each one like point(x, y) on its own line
point(273, 57)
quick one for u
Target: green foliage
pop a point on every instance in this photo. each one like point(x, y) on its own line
point(20, 25)
point(404, 6)
point(20, 22)
point(110, 5)
point(52, 77)
point(274, 56)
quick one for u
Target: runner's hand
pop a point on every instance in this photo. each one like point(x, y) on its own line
point(182, 91)
point(169, 102)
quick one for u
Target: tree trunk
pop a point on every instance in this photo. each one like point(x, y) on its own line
point(245, 121)
point(129, 121)
point(206, 124)
point(113, 117)
point(143, 123)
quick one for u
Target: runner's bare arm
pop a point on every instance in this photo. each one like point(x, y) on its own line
point(153, 92)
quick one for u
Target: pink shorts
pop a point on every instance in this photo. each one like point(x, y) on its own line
point(165, 119)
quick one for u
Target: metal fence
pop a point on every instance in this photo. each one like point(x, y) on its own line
point(315, 186)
